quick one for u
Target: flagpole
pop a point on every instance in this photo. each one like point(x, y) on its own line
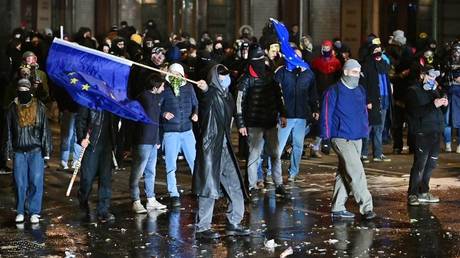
point(164, 72)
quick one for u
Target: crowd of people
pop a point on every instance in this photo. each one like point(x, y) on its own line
point(345, 102)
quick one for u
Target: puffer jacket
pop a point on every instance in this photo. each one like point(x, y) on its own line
point(183, 107)
point(259, 102)
point(29, 138)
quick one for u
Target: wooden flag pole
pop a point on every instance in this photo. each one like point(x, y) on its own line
point(164, 72)
point(77, 167)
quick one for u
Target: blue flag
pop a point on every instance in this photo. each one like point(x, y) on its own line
point(292, 59)
point(94, 79)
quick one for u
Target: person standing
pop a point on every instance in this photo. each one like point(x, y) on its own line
point(426, 122)
point(28, 142)
point(96, 133)
point(301, 101)
point(178, 110)
point(376, 81)
point(259, 107)
point(146, 142)
point(344, 122)
point(217, 170)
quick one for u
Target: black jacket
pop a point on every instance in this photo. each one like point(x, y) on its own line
point(423, 116)
point(259, 102)
point(29, 138)
point(370, 82)
point(91, 121)
point(216, 111)
point(148, 133)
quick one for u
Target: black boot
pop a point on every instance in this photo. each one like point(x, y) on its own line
point(207, 234)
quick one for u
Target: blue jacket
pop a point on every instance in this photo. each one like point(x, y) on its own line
point(344, 113)
point(183, 107)
point(299, 93)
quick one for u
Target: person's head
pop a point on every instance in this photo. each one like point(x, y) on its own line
point(306, 43)
point(376, 52)
point(24, 72)
point(273, 50)
point(337, 43)
point(106, 48)
point(351, 73)
point(176, 69)
point(156, 83)
point(295, 28)
point(429, 56)
point(158, 55)
point(29, 58)
point(456, 51)
point(224, 76)
point(326, 48)
point(456, 75)
point(23, 88)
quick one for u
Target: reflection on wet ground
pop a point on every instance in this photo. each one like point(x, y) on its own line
point(301, 223)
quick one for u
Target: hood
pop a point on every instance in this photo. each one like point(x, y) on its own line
point(213, 78)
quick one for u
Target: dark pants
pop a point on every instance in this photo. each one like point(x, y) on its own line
point(2, 132)
point(97, 161)
point(426, 156)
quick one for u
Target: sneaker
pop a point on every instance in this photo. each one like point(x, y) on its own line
point(412, 200)
point(382, 158)
point(281, 191)
point(207, 234)
point(153, 204)
point(237, 230)
point(35, 218)
point(369, 215)
point(19, 218)
point(268, 180)
point(175, 201)
point(64, 165)
point(5, 171)
point(365, 159)
point(315, 154)
point(254, 194)
point(138, 207)
point(291, 179)
point(343, 214)
point(449, 147)
point(458, 149)
point(427, 198)
point(106, 217)
point(295, 179)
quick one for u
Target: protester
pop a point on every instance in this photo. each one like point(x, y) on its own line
point(345, 101)
point(28, 142)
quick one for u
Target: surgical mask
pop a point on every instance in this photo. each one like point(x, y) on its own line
point(429, 85)
point(24, 97)
point(225, 83)
point(350, 82)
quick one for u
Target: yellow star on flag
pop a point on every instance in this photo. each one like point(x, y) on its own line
point(85, 87)
point(73, 81)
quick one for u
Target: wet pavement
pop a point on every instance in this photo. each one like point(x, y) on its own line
point(300, 226)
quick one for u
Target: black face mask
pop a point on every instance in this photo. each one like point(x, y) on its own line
point(24, 97)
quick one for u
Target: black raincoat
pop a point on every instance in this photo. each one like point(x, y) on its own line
point(215, 115)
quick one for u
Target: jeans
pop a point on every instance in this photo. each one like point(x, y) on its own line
point(298, 127)
point(97, 160)
point(375, 132)
point(426, 157)
point(69, 137)
point(144, 163)
point(257, 137)
point(174, 142)
point(28, 176)
point(448, 129)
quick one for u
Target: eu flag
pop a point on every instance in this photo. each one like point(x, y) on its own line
point(94, 79)
point(292, 60)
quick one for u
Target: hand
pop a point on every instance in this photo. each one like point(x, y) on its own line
point(283, 122)
point(446, 102)
point(84, 143)
point(202, 85)
point(369, 106)
point(168, 116)
point(315, 116)
point(439, 102)
point(243, 131)
point(157, 146)
point(195, 118)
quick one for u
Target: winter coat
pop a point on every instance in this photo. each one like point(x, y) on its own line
point(183, 107)
point(91, 121)
point(259, 102)
point(299, 92)
point(370, 82)
point(454, 105)
point(423, 116)
point(216, 110)
point(344, 113)
point(148, 133)
point(27, 138)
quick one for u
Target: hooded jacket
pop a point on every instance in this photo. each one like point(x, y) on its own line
point(214, 149)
